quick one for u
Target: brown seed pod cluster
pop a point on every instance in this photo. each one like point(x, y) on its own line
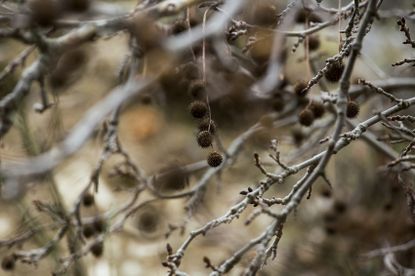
point(199, 109)
point(314, 110)
point(352, 109)
point(334, 71)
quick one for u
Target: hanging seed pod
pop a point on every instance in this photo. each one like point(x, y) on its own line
point(334, 71)
point(88, 230)
point(306, 117)
point(88, 200)
point(197, 89)
point(97, 249)
point(8, 263)
point(313, 43)
point(99, 225)
point(198, 109)
point(207, 125)
point(204, 139)
point(214, 159)
point(352, 109)
point(317, 108)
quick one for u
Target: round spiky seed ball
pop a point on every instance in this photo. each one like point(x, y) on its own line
point(197, 89)
point(88, 230)
point(208, 125)
point(88, 199)
point(317, 108)
point(198, 109)
point(299, 89)
point(306, 117)
point(334, 71)
point(8, 263)
point(204, 139)
point(313, 43)
point(352, 109)
point(214, 159)
point(99, 225)
point(97, 249)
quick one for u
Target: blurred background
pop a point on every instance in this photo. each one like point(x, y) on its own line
point(366, 208)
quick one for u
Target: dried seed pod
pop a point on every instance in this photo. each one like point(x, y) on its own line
point(299, 88)
point(8, 263)
point(204, 139)
point(175, 179)
point(148, 221)
point(99, 225)
point(97, 249)
point(198, 109)
point(334, 71)
point(352, 109)
point(208, 125)
point(197, 89)
point(88, 199)
point(88, 230)
point(306, 117)
point(313, 43)
point(214, 159)
point(317, 108)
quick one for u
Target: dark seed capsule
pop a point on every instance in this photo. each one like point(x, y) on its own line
point(204, 139)
point(97, 249)
point(88, 199)
point(306, 117)
point(198, 109)
point(352, 109)
point(8, 263)
point(214, 159)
